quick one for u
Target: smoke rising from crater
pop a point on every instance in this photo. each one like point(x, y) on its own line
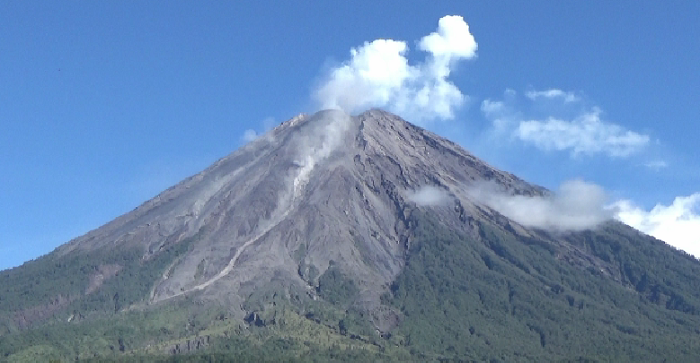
point(378, 74)
point(318, 143)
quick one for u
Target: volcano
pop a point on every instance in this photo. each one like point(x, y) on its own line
point(339, 237)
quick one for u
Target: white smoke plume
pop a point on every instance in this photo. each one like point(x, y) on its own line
point(677, 224)
point(318, 144)
point(378, 74)
point(429, 196)
point(577, 206)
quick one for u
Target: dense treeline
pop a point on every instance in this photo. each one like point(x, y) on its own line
point(65, 280)
point(497, 298)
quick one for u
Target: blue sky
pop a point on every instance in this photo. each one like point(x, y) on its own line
point(104, 104)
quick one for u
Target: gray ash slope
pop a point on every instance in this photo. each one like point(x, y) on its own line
point(316, 189)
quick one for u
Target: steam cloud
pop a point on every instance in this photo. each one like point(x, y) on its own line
point(378, 74)
point(429, 196)
point(576, 206)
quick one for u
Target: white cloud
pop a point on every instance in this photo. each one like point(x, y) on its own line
point(378, 74)
point(429, 196)
point(677, 224)
point(492, 108)
point(499, 113)
point(586, 134)
point(577, 206)
point(656, 165)
point(249, 135)
point(450, 43)
point(552, 93)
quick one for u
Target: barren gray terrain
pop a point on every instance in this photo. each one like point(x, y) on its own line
point(320, 188)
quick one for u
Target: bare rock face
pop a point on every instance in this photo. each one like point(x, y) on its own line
point(317, 190)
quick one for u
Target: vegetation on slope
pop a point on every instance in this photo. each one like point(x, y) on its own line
point(75, 286)
point(491, 296)
point(496, 298)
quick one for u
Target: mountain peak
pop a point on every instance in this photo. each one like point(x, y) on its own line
point(313, 182)
point(336, 214)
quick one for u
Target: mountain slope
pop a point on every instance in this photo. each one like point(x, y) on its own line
point(500, 297)
point(333, 233)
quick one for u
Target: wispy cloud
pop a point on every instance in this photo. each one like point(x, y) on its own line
point(585, 133)
point(492, 108)
point(378, 74)
point(552, 93)
point(429, 196)
point(677, 224)
point(500, 114)
point(656, 165)
point(576, 206)
point(251, 135)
